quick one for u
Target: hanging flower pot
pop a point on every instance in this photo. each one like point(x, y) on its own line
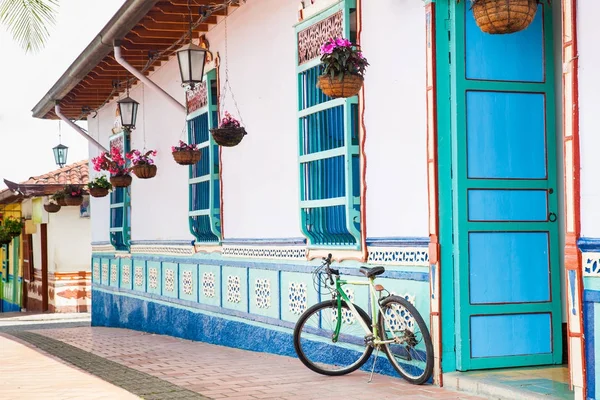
point(73, 195)
point(230, 133)
point(343, 68)
point(186, 154)
point(73, 200)
point(346, 86)
point(121, 180)
point(99, 187)
point(143, 164)
point(144, 171)
point(59, 198)
point(52, 208)
point(13, 226)
point(504, 16)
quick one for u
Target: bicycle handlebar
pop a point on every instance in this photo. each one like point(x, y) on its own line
point(330, 271)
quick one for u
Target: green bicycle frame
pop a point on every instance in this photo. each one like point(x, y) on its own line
point(341, 295)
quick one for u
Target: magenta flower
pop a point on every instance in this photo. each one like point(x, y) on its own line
point(343, 42)
point(327, 48)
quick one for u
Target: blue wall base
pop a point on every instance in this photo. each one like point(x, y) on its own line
point(9, 307)
point(118, 310)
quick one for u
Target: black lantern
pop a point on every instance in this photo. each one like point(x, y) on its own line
point(128, 110)
point(191, 64)
point(60, 155)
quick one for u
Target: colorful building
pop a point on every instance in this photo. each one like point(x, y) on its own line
point(466, 166)
point(11, 256)
point(52, 255)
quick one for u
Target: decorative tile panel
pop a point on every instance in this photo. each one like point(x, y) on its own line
point(103, 248)
point(234, 289)
point(196, 98)
point(153, 278)
point(591, 264)
point(126, 275)
point(275, 252)
point(188, 283)
point(297, 297)
point(208, 284)
point(405, 256)
point(263, 293)
point(347, 314)
point(114, 273)
point(96, 272)
point(105, 273)
point(169, 280)
point(398, 317)
point(312, 38)
point(163, 250)
point(139, 276)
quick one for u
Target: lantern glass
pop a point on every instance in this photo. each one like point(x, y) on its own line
point(191, 60)
point(60, 155)
point(128, 109)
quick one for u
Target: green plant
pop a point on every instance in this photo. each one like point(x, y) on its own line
point(28, 21)
point(341, 57)
point(5, 236)
point(100, 183)
point(13, 226)
point(58, 196)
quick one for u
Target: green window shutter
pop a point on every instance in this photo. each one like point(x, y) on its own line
point(120, 202)
point(204, 184)
point(4, 263)
point(328, 140)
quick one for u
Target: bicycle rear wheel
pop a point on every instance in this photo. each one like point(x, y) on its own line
point(313, 339)
point(412, 356)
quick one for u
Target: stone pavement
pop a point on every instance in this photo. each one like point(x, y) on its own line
point(26, 374)
point(175, 367)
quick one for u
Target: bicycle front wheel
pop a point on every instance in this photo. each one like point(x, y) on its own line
point(313, 339)
point(412, 352)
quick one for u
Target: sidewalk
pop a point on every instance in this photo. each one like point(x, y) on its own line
point(28, 374)
point(221, 372)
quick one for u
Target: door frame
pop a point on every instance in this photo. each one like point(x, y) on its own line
point(446, 125)
point(44, 246)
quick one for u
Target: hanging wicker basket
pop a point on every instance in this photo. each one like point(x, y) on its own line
point(187, 157)
point(3, 242)
point(504, 16)
point(145, 171)
point(228, 137)
point(335, 88)
point(121, 180)
point(52, 208)
point(98, 192)
point(73, 201)
point(61, 202)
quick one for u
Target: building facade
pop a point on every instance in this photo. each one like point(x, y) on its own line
point(466, 166)
point(52, 255)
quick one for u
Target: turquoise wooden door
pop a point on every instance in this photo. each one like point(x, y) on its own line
point(506, 244)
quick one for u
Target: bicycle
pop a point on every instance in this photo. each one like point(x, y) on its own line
point(336, 337)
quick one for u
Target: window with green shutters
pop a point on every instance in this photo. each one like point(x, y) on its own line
point(120, 201)
point(204, 189)
point(328, 135)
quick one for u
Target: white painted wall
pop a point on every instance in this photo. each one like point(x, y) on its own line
point(396, 118)
point(260, 176)
point(589, 103)
point(69, 237)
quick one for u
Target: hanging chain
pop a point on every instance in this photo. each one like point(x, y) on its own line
point(226, 84)
point(144, 116)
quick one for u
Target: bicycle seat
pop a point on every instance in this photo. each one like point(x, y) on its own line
point(369, 272)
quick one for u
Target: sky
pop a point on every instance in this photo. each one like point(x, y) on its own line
point(25, 142)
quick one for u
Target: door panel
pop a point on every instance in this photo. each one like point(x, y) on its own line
point(505, 238)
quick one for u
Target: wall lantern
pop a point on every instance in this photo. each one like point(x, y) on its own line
point(191, 64)
point(60, 151)
point(128, 108)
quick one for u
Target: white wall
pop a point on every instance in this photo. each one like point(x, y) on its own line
point(260, 176)
point(396, 118)
point(589, 103)
point(69, 237)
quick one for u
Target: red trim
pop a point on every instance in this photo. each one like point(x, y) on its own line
point(363, 155)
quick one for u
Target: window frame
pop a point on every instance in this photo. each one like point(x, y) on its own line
point(125, 228)
point(213, 177)
point(353, 196)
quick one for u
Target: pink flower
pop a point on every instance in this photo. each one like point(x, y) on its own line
point(343, 42)
point(327, 48)
point(172, 148)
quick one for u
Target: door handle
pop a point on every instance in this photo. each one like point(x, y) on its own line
point(552, 217)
